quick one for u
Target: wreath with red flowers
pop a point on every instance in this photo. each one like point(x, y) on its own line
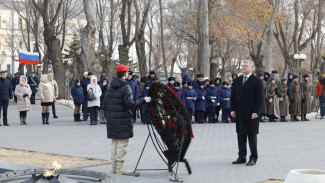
point(172, 122)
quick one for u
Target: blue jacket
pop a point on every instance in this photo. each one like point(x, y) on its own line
point(170, 86)
point(77, 93)
point(200, 99)
point(135, 88)
point(33, 83)
point(5, 89)
point(186, 78)
point(224, 97)
point(179, 93)
point(212, 94)
point(218, 87)
point(189, 96)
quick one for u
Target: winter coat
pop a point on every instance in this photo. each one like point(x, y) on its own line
point(134, 88)
point(55, 88)
point(319, 89)
point(212, 94)
point(84, 84)
point(189, 96)
point(23, 103)
point(5, 89)
point(245, 100)
point(95, 88)
point(283, 95)
point(185, 77)
point(103, 88)
point(295, 98)
point(179, 93)
point(264, 110)
point(224, 95)
point(33, 83)
point(146, 113)
point(305, 95)
point(118, 107)
point(271, 95)
point(200, 99)
point(45, 90)
point(77, 93)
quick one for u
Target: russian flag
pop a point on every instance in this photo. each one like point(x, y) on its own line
point(28, 58)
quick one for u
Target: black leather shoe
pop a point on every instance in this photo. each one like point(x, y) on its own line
point(55, 116)
point(239, 161)
point(251, 163)
point(296, 119)
point(6, 124)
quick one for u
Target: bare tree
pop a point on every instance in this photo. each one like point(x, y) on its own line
point(87, 54)
point(203, 29)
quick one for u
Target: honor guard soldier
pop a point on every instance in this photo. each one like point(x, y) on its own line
point(305, 97)
point(33, 83)
point(295, 98)
point(283, 99)
point(189, 98)
point(213, 102)
point(178, 91)
point(200, 102)
point(224, 98)
point(271, 92)
point(171, 81)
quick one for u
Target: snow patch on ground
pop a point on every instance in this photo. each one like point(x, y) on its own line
point(68, 103)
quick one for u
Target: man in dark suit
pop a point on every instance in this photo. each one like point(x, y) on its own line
point(246, 102)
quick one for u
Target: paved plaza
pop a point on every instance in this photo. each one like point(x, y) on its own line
point(281, 147)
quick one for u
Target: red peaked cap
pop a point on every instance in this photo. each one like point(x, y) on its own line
point(122, 68)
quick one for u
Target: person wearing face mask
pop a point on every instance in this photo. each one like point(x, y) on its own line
point(23, 93)
point(46, 93)
point(78, 96)
point(103, 86)
point(94, 92)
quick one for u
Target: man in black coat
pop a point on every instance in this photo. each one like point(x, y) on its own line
point(247, 99)
point(118, 106)
point(5, 96)
point(84, 83)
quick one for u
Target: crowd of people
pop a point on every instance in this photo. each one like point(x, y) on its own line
point(205, 99)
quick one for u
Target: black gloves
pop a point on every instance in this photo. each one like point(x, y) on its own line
point(25, 95)
point(302, 100)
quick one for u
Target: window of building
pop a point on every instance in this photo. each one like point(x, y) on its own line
point(9, 68)
point(8, 23)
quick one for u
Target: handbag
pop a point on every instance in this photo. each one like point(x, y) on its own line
point(90, 95)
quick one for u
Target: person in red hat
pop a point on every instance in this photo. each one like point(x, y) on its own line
point(118, 106)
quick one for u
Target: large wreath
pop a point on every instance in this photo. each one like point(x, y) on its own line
point(172, 122)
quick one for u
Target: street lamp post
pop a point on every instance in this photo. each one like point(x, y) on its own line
point(299, 57)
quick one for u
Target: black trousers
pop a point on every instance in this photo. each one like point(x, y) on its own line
point(32, 98)
point(4, 109)
point(242, 141)
point(93, 113)
point(53, 108)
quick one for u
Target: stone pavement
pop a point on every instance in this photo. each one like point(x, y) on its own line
point(281, 146)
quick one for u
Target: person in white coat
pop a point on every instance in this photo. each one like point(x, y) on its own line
point(23, 94)
point(94, 92)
